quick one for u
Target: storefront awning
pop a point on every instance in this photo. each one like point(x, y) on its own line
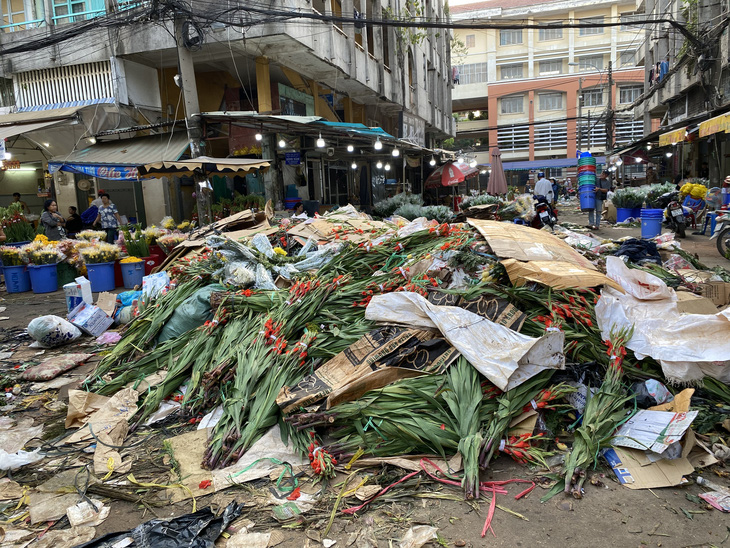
point(25, 122)
point(554, 163)
point(206, 164)
point(713, 125)
point(118, 160)
point(357, 129)
point(672, 137)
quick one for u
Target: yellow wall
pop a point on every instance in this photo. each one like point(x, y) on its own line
point(211, 86)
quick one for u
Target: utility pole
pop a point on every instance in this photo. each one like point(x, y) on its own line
point(579, 124)
point(189, 90)
point(609, 111)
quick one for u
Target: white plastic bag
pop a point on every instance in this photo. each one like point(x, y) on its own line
point(13, 461)
point(52, 331)
point(638, 283)
point(505, 357)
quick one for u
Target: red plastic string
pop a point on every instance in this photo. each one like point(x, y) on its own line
point(382, 492)
point(490, 514)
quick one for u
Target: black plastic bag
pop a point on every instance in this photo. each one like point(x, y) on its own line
point(197, 530)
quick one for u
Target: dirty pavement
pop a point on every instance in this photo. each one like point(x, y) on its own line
point(350, 381)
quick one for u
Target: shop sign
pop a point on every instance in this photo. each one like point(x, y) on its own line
point(672, 137)
point(293, 158)
point(113, 173)
point(412, 129)
point(713, 125)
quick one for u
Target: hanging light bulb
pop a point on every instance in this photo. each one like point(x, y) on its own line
point(396, 153)
point(282, 143)
point(669, 154)
point(638, 160)
point(473, 163)
point(432, 162)
point(648, 147)
point(350, 148)
point(379, 165)
point(619, 162)
point(387, 167)
point(92, 140)
point(483, 171)
point(354, 165)
point(320, 142)
point(377, 145)
point(259, 136)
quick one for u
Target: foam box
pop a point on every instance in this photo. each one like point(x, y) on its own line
point(77, 292)
point(90, 319)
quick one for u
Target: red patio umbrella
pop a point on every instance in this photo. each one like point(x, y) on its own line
point(450, 174)
point(497, 181)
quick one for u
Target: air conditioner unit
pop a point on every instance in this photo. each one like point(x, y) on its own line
point(330, 151)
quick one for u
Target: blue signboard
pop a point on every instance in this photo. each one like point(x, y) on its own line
point(110, 172)
point(293, 158)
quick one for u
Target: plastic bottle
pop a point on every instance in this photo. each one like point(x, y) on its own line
point(712, 485)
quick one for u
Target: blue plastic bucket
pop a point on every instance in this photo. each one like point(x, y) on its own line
point(651, 222)
point(623, 213)
point(43, 278)
point(17, 279)
point(132, 274)
point(587, 196)
point(101, 276)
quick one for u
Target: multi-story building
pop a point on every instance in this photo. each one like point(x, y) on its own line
point(109, 71)
point(521, 89)
point(684, 109)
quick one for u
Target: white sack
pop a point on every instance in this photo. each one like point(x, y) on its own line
point(505, 357)
point(688, 346)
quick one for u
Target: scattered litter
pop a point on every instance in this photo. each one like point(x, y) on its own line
point(418, 535)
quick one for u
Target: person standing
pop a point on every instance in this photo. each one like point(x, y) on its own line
point(544, 187)
point(52, 222)
point(17, 200)
point(603, 185)
point(73, 221)
point(109, 218)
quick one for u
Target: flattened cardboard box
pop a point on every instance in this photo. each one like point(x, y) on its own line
point(413, 349)
point(510, 241)
point(717, 292)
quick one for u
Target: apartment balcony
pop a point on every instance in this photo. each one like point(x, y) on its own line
point(474, 128)
point(469, 96)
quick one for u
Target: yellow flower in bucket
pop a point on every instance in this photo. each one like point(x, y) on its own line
point(128, 260)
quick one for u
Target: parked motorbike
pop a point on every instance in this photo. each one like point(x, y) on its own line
point(673, 213)
point(722, 233)
point(544, 213)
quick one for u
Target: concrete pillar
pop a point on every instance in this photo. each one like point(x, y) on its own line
point(571, 43)
point(263, 85)
point(531, 107)
point(530, 50)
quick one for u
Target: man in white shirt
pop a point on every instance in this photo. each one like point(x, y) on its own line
point(544, 187)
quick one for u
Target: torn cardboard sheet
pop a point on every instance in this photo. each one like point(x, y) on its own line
point(634, 470)
point(414, 349)
point(412, 463)
point(503, 356)
point(555, 274)
point(14, 438)
point(109, 421)
point(511, 241)
point(688, 346)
